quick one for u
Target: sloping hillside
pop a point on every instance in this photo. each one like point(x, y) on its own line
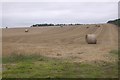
point(116, 22)
point(68, 41)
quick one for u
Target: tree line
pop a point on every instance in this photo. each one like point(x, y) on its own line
point(42, 25)
point(116, 22)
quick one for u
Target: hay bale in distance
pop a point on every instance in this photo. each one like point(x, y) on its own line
point(26, 30)
point(97, 25)
point(91, 39)
point(87, 27)
point(61, 26)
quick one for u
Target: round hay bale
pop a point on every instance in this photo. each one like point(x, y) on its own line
point(98, 25)
point(87, 27)
point(61, 26)
point(26, 30)
point(91, 38)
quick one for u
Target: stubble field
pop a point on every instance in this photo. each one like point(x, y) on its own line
point(62, 47)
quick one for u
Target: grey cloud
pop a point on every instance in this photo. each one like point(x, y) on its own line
point(0, 14)
point(26, 14)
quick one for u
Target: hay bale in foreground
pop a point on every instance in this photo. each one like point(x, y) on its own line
point(26, 30)
point(91, 38)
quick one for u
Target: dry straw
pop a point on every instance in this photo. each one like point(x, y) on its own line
point(91, 38)
point(26, 30)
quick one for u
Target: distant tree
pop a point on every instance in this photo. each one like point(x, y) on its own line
point(116, 22)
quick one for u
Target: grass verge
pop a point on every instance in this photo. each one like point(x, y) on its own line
point(37, 66)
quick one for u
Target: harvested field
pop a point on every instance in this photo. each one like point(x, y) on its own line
point(67, 42)
point(60, 52)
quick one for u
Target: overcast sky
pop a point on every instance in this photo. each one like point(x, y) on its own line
point(28, 13)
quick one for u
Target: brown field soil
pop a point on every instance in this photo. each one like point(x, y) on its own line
point(67, 42)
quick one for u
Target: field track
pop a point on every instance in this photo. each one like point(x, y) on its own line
point(67, 42)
